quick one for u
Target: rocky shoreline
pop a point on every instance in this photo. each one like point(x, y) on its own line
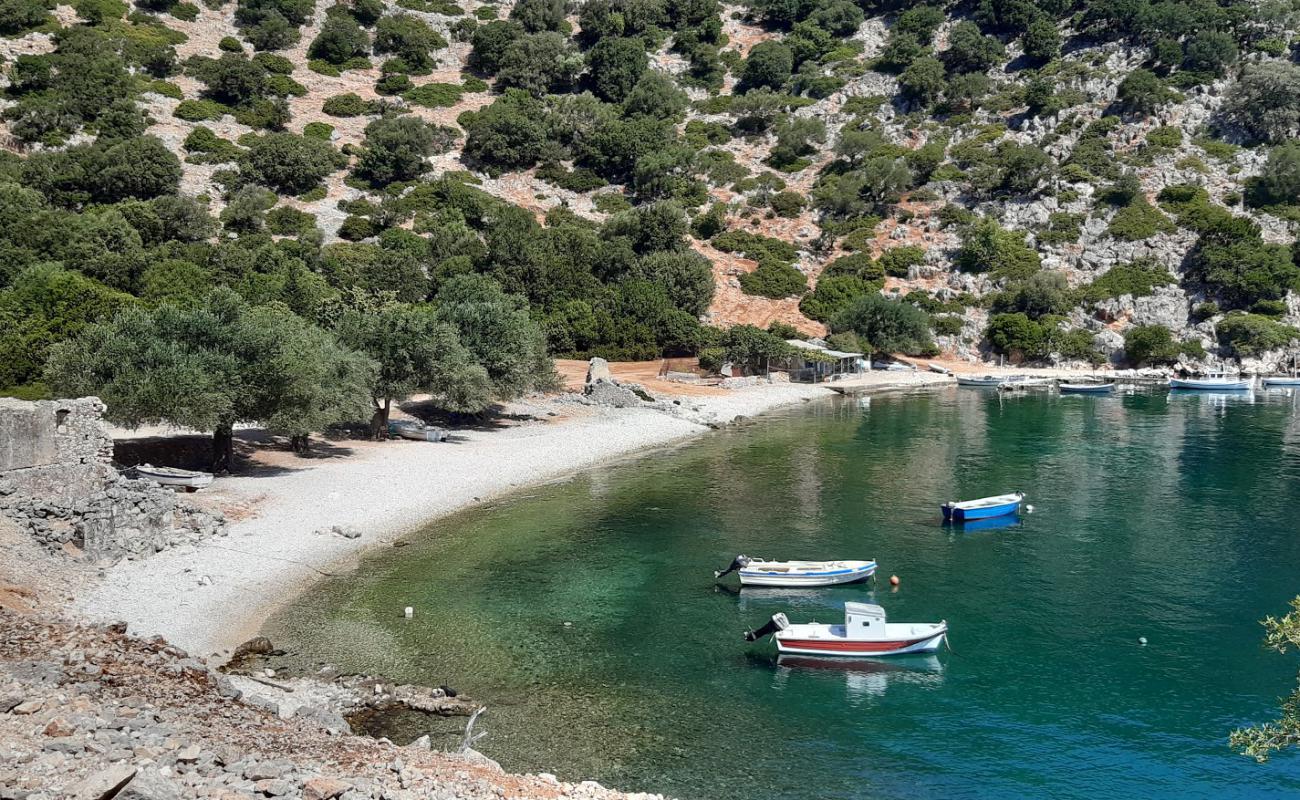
point(90, 712)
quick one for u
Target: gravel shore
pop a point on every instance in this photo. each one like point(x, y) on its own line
point(210, 597)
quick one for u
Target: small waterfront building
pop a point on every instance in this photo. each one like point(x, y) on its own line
point(814, 362)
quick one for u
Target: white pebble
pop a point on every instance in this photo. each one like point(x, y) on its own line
point(409, 612)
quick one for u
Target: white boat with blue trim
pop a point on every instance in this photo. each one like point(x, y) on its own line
point(1213, 382)
point(761, 572)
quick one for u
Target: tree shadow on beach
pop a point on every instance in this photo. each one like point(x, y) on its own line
point(491, 419)
point(258, 453)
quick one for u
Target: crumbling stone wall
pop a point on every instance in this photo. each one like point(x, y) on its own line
point(58, 482)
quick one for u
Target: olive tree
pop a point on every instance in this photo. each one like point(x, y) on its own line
point(213, 365)
point(415, 352)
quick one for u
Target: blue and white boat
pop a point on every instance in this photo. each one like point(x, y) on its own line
point(983, 508)
point(760, 572)
point(1282, 380)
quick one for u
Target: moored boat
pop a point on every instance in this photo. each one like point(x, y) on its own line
point(939, 368)
point(1211, 383)
point(1282, 380)
point(983, 508)
point(760, 572)
point(1086, 388)
point(992, 381)
point(417, 431)
point(174, 476)
point(864, 634)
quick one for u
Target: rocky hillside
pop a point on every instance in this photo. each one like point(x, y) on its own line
point(1065, 182)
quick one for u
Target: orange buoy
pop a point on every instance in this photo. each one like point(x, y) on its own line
point(893, 580)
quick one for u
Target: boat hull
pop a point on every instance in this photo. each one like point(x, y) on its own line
point(1282, 381)
point(756, 576)
point(1081, 388)
point(955, 513)
point(197, 480)
point(927, 642)
point(984, 383)
point(1209, 385)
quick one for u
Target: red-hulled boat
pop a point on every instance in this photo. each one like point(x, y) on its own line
point(864, 634)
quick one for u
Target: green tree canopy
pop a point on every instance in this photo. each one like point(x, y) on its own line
point(415, 352)
point(213, 365)
point(888, 325)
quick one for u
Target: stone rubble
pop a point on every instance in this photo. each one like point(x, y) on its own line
point(90, 713)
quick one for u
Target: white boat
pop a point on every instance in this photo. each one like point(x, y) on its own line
point(1020, 384)
point(761, 572)
point(864, 634)
point(1086, 388)
point(1215, 381)
point(174, 476)
point(939, 368)
point(1282, 380)
point(418, 431)
point(993, 381)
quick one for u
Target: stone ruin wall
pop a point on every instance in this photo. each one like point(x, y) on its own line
point(58, 482)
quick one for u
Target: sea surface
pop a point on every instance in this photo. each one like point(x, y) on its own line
point(585, 614)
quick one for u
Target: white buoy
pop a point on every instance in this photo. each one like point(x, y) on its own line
point(409, 612)
point(1142, 640)
point(1029, 509)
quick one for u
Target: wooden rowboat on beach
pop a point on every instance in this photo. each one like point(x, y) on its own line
point(187, 479)
point(416, 431)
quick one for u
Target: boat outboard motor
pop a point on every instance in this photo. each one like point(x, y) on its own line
point(740, 562)
point(778, 622)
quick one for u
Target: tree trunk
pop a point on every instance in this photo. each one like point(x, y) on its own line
point(300, 443)
point(379, 420)
point(223, 450)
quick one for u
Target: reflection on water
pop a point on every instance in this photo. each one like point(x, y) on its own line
point(1169, 517)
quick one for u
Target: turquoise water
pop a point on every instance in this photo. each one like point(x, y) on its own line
point(1170, 517)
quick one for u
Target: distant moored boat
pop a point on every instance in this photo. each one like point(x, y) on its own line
point(984, 507)
point(760, 572)
point(992, 381)
point(1086, 388)
point(1211, 383)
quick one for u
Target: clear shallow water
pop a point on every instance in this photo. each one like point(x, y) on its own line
point(1169, 516)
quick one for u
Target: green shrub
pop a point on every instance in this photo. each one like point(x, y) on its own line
point(610, 202)
point(230, 44)
point(200, 110)
point(833, 294)
point(576, 180)
point(1269, 308)
point(888, 325)
point(1062, 228)
point(284, 86)
point(1166, 136)
point(986, 247)
point(215, 149)
point(473, 85)
point(273, 63)
point(1204, 311)
point(948, 325)
point(898, 261)
point(1251, 334)
point(1137, 221)
point(1138, 279)
point(312, 195)
point(755, 246)
point(1150, 344)
point(433, 95)
point(774, 279)
point(287, 221)
point(787, 204)
point(322, 67)
point(355, 228)
point(318, 130)
point(166, 89)
point(345, 105)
